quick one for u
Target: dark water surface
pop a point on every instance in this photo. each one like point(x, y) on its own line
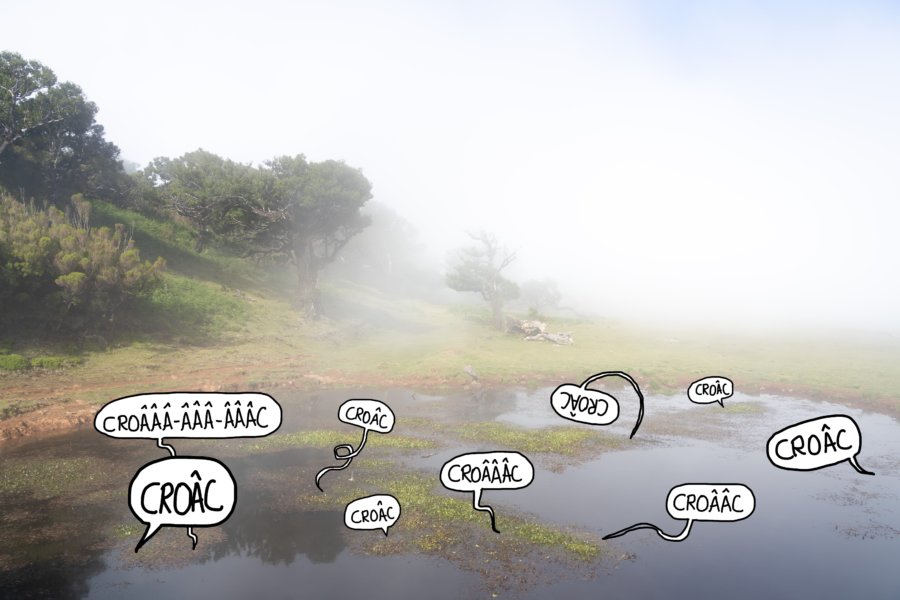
point(830, 533)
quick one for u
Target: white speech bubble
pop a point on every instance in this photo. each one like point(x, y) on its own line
point(478, 471)
point(710, 502)
point(379, 511)
point(190, 415)
point(593, 407)
point(816, 443)
point(371, 415)
point(710, 390)
point(368, 414)
point(701, 502)
point(184, 491)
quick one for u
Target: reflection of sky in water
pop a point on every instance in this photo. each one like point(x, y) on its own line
point(830, 533)
point(237, 576)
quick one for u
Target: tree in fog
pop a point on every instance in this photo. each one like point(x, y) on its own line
point(479, 268)
point(212, 193)
point(307, 212)
point(50, 145)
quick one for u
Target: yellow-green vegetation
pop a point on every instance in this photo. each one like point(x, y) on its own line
point(442, 522)
point(226, 324)
point(325, 438)
point(569, 441)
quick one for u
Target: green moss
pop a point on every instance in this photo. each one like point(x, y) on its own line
point(569, 441)
point(46, 478)
point(326, 438)
point(55, 362)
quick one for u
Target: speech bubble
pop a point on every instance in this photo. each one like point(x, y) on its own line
point(712, 389)
point(478, 471)
point(371, 415)
point(190, 415)
point(817, 443)
point(379, 511)
point(593, 407)
point(368, 414)
point(182, 491)
point(701, 502)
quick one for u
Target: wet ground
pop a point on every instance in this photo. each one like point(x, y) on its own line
point(66, 531)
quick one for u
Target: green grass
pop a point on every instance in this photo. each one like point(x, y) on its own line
point(13, 362)
point(568, 441)
point(326, 438)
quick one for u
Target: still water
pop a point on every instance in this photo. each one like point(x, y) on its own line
point(830, 533)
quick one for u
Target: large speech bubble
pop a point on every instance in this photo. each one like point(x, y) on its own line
point(478, 471)
point(372, 512)
point(371, 415)
point(185, 491)
point(592, 407)
point(816, 443)
point(701, 502)
point(190, 415)
point(709, 390)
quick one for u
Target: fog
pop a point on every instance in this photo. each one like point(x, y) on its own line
point(696, 163)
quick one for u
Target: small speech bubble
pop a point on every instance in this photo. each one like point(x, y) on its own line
point(479, 471)
point(816, 443)
point(370, 415)
point(372, 512)
point(189, 415)
point(592, 407)
point(701, 502)
point(709, 390)
point(182, 491)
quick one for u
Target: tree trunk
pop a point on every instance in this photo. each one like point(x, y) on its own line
point(497, 310)
point(307, 278)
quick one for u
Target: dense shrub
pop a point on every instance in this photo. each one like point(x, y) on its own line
point(54, 266)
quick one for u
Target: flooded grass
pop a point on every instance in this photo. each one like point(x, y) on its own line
point(331, 438)
point(566, 441)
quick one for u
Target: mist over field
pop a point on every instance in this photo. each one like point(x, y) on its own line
point(728, 166)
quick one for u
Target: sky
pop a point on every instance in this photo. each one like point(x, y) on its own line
point(690, 162)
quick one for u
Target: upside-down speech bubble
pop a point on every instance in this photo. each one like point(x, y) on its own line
point(816, 443)
point(701, 502)
point(478, 471)
point(181, 491)
point(372, 415)
point(709, 390)
point(592, 407)
point(190, 415)
point(379, 511)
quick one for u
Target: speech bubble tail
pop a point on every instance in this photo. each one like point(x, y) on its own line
point(193, 536)
point(476, 504)
point(385, 529)
point(321, 473)
point(721, 402)
point(660, 532)
point(151, 530)
point(171, 449)
point(855, 465)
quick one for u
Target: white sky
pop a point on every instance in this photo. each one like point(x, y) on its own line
point(666, 161)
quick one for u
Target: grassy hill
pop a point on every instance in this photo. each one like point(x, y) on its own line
point(220, 322)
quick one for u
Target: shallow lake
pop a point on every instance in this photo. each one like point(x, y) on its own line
point(829, 533)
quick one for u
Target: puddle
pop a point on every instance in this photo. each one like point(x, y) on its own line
point(831, 533)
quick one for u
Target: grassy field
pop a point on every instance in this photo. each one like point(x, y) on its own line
point(222, 323)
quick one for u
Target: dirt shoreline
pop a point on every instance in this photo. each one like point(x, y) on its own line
point(56, 410)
